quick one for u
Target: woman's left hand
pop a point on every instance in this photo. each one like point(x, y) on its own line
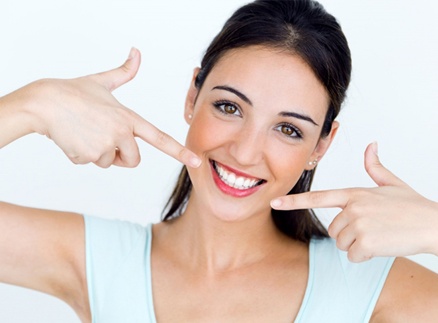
point(389, 220)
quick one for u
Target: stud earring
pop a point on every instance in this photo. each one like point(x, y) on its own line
point(314, 162)
point(190, 116)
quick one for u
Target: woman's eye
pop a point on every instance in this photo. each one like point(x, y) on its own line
point(289, 130)
point(227, 108)
point(230, 109)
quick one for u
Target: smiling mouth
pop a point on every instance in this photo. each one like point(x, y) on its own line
point(236, 181)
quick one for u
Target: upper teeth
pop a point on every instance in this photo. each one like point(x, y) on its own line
point(231, 179)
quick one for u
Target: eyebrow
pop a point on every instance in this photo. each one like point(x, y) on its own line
point(283, 113)
point(233, 90)
point(298, 116)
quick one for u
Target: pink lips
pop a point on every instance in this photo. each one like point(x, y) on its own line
point(231, 190)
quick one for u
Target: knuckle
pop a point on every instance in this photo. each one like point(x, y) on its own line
point(357, 194)
point(136, 161)
point(127, 71)
point(368, 167)
point(290, 201)
point(357, 256)
point(92, 157)
point(316, 197)
point(352, 257)
point(183, 154)
point(161, 138)
point(75, 160)
point(340, 244)
point(365, 246)
point(133, 162)
point(331, 231)
point(124, 132)
point(103, 164)
point(360, 225)
point(353, 210)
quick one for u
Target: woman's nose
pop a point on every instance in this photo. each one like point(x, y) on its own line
point(248, 145)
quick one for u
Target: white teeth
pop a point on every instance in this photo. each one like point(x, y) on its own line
point(231, 179)
point(239, 182)
point(247, 183)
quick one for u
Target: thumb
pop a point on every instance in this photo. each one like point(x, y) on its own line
point(380, 175)
point(112, 79)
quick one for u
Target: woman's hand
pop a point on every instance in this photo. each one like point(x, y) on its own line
point(85, 120)
point(389, 220)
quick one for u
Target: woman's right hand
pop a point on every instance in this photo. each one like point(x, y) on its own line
point(86, 121)
point(388, 220)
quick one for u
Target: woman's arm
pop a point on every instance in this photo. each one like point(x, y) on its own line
point(389, 220)
point(85, 120)
point(410, 294)
point(45, 250)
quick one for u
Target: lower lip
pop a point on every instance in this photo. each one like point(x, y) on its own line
point(231, 190)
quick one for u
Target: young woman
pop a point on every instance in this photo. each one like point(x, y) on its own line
point(261, 110)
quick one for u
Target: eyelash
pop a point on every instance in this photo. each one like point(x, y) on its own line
point(297, 134)
point(221, 104)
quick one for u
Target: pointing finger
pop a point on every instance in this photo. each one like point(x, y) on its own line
point(162, 141)
point(316, 199)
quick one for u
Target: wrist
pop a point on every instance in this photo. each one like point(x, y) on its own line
point(434, 213)
point(428, 217)
point(36, 100)
point(15, 116)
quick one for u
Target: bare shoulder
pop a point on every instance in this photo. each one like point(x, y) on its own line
point(410, 294)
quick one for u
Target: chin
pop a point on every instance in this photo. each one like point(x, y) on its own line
point(236, 213)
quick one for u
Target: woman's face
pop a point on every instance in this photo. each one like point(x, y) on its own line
point(256, 124)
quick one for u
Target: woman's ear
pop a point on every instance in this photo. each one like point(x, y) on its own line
point(322, 147)
point(192, 94)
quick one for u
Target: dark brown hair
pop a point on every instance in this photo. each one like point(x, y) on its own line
point(301, 27)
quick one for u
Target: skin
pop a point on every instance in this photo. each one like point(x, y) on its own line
point(234, 247)
point(367, 213)
point(251, 140)
point(66, 119)
point(44, 250)
point(240, 263)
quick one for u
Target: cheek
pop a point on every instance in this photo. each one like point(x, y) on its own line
point(288, 165)
point(203, 133)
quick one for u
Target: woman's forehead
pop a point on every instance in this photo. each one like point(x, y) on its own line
point(269, 75)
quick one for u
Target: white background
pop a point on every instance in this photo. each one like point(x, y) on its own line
point(393, 99)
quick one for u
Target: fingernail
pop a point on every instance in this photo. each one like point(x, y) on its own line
point(375, 148)
point(195, 162)
point(276, 203)
point(131, 53)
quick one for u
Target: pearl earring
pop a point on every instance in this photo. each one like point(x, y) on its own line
point(314, 162)
point(190, 116)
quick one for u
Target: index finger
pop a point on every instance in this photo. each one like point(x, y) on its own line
point(162, 141)
point(316, 199)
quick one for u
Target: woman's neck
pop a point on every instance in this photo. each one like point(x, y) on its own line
point(214, 245)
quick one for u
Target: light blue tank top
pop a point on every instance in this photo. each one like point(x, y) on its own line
point(120, 290)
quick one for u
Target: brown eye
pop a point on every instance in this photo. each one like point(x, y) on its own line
point(227, 108)
point(289, 131)
point(230, 109)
